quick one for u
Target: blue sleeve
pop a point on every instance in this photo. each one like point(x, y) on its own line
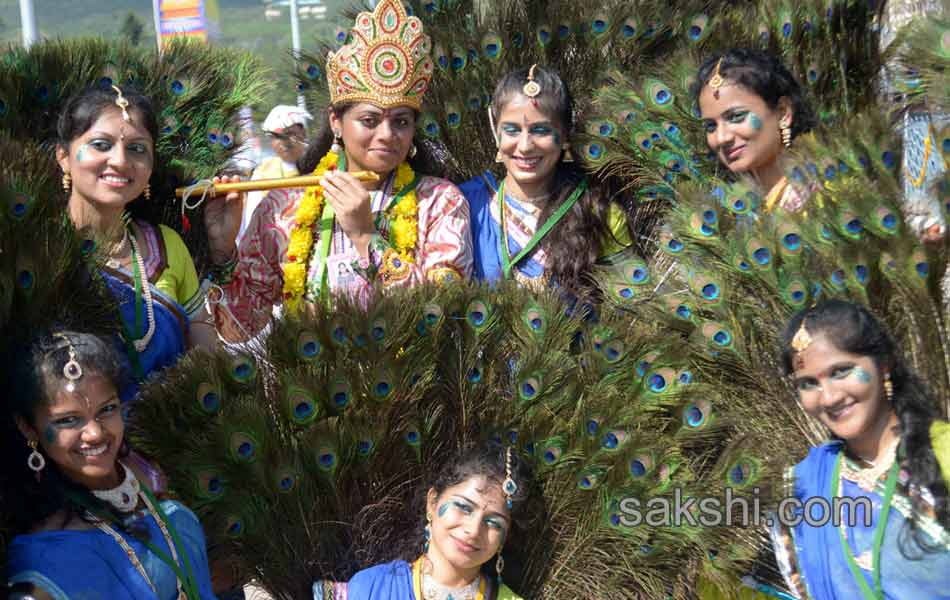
point(72, 564)
point(389, 581)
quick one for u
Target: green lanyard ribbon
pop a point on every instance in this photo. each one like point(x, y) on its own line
point(182, 572)
point(856, 572)
point(507, 261)
point(326, 228)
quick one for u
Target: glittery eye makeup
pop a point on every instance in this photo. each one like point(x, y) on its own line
point(736, 116)
point(861, 375)
point(541, 130)
point(510, 129)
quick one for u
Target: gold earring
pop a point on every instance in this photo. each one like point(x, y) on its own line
point(567, 157)
point(786, 130)
point(427, 533)
point(67, 182)
point(888, 388)
point(498, 157)
point(147, 192)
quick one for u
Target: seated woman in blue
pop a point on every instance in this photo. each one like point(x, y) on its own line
point(544, 222)
point(890, 459)
point(470, 509)
point(89, 526)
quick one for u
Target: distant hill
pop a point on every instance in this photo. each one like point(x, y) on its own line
point(242, 23)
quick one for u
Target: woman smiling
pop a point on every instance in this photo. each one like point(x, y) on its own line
point(470, 510)
point(752, 109)
point(106, 151)
point(89, 524)
point(545, 221)
point(888, 448)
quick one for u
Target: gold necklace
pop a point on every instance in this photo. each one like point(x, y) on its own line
point(130, 552)
point(118, 250)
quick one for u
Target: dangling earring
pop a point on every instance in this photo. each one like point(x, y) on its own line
point(147, 192)
point(888, 388)
point(427, 533)
point(413, 151)
point(499, 566)
point(336, 147)
point(567, 157)
point(36, 462)
point(498, 157)
point(67, 183)
point(786, 130)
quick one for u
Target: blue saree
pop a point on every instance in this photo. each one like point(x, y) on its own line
point(389, 581)
point(168, 342)
point(88, 564)
point(521, 224)
point(822, 571)
point(486, 232)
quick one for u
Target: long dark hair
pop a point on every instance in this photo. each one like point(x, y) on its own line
point(576, 243)
point(425, 162)
point(853, 329)
point(487, 460)
point(764, 75)
point(32, 374)
point(81, 112)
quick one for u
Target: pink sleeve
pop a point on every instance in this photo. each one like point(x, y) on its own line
point(257, 283)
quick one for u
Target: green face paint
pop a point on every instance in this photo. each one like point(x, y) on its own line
point(755, 121)
point(50, 434)
point(862, 375)
point(81, 153)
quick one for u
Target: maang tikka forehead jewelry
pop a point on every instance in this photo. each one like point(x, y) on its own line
point(716, 81)
point(508, 486)
point(72, 370)
point(122, 103)
point(800, 342)
point(531, 89)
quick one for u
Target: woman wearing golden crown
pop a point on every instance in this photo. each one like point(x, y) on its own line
point(345, 235)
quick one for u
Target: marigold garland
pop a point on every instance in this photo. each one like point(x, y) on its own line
point(404, 224)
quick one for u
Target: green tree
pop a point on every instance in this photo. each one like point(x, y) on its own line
point(132, 28)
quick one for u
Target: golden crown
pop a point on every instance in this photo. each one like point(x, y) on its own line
point(386, 61)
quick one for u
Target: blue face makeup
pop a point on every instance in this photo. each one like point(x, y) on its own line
point(755, 122)
point(50, 434)
point(443, 509)
point(862, 375)
point(81, 153)
point(513, 129)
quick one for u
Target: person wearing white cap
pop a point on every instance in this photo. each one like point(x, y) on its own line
point(285, 126)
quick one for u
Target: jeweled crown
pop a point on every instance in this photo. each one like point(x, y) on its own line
point(386, 60)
